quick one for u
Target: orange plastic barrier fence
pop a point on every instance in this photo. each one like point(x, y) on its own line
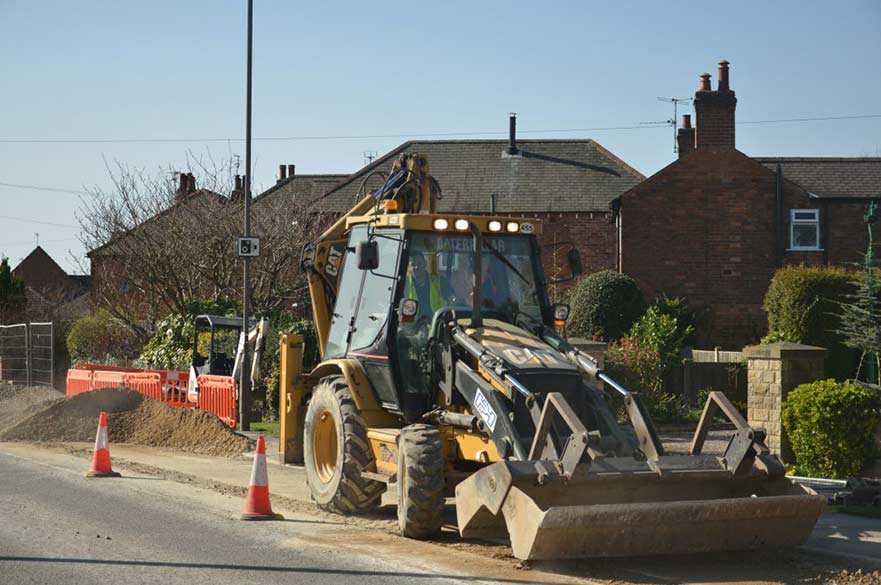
point(147, 383)
point(174, 389)
point(78, 381)
point(104, 379)
point(217, 394)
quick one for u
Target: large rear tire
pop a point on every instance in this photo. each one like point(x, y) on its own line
point(336, 451)
point(420, 481)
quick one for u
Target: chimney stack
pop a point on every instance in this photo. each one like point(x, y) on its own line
point(238, 192)
point(181, 185)
point(512, 135)
point(714, 112)
point(191, 183)
point(291, 169)
point(282, 173)
point(685, 136)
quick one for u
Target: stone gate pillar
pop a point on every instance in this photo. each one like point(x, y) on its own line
point(773, 370)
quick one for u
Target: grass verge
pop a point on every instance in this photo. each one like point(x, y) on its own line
point(270, 428)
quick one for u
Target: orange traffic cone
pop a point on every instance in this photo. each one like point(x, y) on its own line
point(101, 458)
point(257, 506)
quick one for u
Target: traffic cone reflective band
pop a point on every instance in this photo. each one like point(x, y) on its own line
point(101, 458)
point(257, 506)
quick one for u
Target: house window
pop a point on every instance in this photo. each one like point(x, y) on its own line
point(804, 229)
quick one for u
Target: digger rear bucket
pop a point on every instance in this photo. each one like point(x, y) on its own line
point(610, 512)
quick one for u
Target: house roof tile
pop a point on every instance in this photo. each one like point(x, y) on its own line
point(832, 178)
point(548, 175)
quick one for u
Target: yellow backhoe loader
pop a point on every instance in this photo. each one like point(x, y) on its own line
point(443, 373)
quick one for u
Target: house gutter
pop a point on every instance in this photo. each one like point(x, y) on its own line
point(778, 218)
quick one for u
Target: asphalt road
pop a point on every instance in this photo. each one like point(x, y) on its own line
point(58, 527)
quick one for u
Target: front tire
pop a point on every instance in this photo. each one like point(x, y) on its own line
point(336, 451)
point(420, 481)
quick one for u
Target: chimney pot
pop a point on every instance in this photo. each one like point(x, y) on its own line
point(512, 134)
point(685, 136)
point(723, 75)
point(291, 169)
point(705, 82)
point(282, 172)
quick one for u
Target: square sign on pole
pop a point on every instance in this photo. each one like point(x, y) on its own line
point(249, 247)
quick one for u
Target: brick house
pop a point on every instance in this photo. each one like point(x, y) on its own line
point(110, 280)
point(51, 292)
point(567, 184)
point(714, 225)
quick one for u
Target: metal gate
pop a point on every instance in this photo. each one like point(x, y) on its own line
point(27, 354)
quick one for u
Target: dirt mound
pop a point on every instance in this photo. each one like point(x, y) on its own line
point(131, 418)
point(158, 425)
point(76, 419)
point(20, 402)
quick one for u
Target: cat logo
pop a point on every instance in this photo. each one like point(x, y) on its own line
point(333, 261)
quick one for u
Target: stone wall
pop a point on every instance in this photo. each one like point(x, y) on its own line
point(774, 370)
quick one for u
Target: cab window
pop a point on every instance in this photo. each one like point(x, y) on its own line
point(347, 296)
point(375, 304)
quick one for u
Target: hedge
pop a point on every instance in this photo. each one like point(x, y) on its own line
point(605, 305)
point(803, 306)
point(831, 427)
point(98, 336)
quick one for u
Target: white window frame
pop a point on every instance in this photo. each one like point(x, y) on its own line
point(794, 222)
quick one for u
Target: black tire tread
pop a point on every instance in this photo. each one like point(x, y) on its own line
point(421, 488)
point(354, 494)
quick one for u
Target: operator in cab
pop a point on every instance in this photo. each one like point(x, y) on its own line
point(423, 286)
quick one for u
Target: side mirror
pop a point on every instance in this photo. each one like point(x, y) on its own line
point(573, 256)
point(367, 255)
point(407, 310)
point(561, 314)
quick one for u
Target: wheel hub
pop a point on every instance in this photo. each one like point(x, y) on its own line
point(324, 445)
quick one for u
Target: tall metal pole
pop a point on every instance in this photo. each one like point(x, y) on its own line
point(245, 381)
point(870, 218)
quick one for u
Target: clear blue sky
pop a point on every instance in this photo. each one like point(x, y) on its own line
point(176, 70)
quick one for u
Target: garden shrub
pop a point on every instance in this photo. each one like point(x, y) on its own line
point(605, 305)
point(662, 333)
point(831, 427)
point(98, 336)
point(861, 325)
point(640, 369)
point(803, 306)
point(171, 346)
point(686, 318)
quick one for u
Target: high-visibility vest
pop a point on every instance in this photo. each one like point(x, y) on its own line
point(434, 287)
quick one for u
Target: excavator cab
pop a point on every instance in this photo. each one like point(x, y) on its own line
point(430, 274)
point(214, 344)
point(444, 373)
point(218, 344)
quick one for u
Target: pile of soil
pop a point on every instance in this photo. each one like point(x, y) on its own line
point(20, 402)
point(131, 418)
point(158, 425)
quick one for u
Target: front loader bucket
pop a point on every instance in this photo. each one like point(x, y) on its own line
point(613, 513)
